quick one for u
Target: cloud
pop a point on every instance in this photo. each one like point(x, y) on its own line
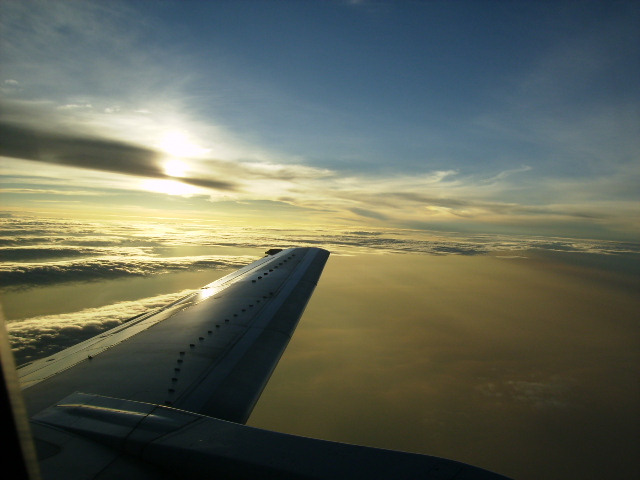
point(38, 191)
point(27, 253)
point(368, 213)
point(280, 172)
point(26, 275)
point(94, 153)
point(41, 336)
point(363, 233)
point(464, 200)
point(75, 105)
point(544, 393)
point(138, 246)
point(10, 86)
point(13, 238)
point(506, 173)
point(72, 136)
point(78, 49)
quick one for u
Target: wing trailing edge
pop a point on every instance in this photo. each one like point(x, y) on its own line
point(189, 445)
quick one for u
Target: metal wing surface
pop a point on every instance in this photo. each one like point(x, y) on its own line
point(210, 353)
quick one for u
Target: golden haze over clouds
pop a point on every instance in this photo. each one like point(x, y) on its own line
point(524, 365)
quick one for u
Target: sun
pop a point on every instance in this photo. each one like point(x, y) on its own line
point(178, 144)
point(170, 187)
point(175, 168)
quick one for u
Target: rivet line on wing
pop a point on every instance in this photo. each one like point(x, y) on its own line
point(172, 390)
point(175, 378)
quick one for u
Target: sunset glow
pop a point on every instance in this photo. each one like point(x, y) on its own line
point(170, 187)
point(501, 133)
point(179, 145)
point(175, 168)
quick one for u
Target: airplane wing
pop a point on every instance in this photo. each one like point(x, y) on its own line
point(166, 395)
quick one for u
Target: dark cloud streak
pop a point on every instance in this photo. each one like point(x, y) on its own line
point(27, 253)
point(368, 213)
point(27, 275)
point(93, 153)
point(457, 206)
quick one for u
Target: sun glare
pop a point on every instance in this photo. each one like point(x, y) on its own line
point(175, 168)
point(170, 187)
point(179, 145)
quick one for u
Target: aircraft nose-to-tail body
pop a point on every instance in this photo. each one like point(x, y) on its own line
point(166, 394)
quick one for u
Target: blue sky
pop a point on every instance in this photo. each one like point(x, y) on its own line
point(517, 117)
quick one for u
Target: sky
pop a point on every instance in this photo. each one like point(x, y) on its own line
point(490, 117)
point(473, 167)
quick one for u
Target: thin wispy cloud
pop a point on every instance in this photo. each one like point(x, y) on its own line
point(44, 251)
point(20, 275)
point(544, 393)
point(51, 192)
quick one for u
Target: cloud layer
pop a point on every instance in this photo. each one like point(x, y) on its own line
point(41, 336)
point(37, 252)
point(17, 275)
